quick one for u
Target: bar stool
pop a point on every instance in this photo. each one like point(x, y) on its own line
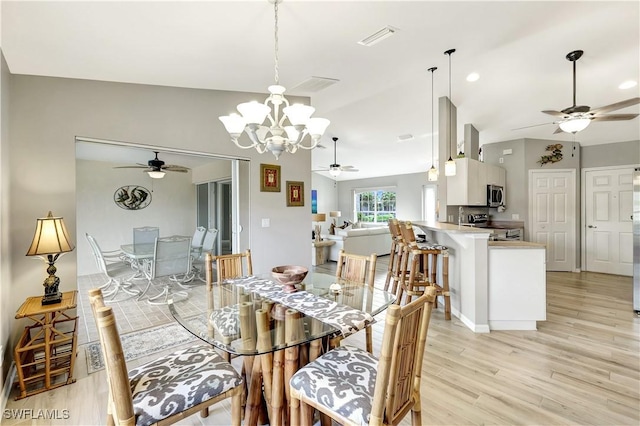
point(421, 266)
point(393, 270)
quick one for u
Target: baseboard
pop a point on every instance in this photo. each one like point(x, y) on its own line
point(8, 384)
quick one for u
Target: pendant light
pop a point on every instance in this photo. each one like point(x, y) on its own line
point(450, 165)
point(432, 175)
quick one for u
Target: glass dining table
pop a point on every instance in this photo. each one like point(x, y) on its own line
point(277, 332)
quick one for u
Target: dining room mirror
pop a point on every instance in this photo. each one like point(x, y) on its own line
point(121, 186)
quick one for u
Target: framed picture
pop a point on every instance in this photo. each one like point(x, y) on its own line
point(132, 197)
point(295, 193)
point(269, 178)
point(314, 201)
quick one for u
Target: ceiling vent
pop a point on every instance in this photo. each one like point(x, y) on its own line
point(406, 137)
point(315, 84)
point(378, 36)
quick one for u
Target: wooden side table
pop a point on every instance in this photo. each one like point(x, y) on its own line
point(320, 247)
point(46, 352)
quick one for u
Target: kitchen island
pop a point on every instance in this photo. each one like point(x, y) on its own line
point(473, 268)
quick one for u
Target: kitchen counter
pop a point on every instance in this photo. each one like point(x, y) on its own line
point(515, 245)
point(494, 285)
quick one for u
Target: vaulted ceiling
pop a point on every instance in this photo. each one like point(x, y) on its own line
point(384, 91)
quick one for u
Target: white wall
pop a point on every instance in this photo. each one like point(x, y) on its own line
point(45, 116)
point(172, 208)
point(327, 199)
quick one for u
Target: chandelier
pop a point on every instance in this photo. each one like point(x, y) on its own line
point(275, 136)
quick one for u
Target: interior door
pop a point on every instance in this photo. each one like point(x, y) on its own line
point(552, 212)
point(608, 210)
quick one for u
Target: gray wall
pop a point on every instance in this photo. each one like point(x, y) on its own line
point(46, 114)
point(611, 154)
point(6, 306)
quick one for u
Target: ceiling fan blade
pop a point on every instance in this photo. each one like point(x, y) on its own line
point(132, 167)
point(346, 167)
point(164, 169)
point(555, 113)
point(617, 105)
point(534, 125)
point(558, 130)
point(350, 170)
point(614, 117)
point(175, 168)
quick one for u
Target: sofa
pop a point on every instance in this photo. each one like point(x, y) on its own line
point(363, 241)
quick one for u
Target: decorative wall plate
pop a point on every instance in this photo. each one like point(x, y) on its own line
point(132, 197)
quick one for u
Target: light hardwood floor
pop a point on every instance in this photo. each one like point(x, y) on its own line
point(581, 367)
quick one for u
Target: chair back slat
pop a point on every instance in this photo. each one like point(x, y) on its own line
point(233, 265)
point(357, 268)
point(198, 236)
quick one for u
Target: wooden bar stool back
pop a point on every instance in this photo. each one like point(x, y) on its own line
point(424, 265)
point(395, 255)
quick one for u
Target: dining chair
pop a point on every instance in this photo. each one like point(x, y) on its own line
point(197, 241)
point(117, 271)
point(145, 234)
point(167, 389)
point(423, 265)
point(171, 264)
point(227, 266)
point(361, 270)
point(208, 246)
point(353, 387)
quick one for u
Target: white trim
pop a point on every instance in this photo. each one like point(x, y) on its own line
point(8, 384)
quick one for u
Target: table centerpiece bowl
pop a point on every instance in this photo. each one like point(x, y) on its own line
point(288, 276)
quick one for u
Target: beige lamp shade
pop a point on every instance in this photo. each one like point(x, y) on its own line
point(335, 213)
point(318, 217)
point(51, 237)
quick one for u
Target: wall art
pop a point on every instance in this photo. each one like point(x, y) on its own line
point(295, 193)
point(269, 178)
point(132, 197)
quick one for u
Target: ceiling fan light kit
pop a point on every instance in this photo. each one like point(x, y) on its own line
point(432, 174)
point(450, 165)
point(156, 174)
point(578, 117)
point(275, 137)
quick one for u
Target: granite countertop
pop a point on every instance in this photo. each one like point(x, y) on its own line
point(515, 245)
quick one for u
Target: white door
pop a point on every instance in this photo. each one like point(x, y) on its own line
point(552, 213)
point(608, 232)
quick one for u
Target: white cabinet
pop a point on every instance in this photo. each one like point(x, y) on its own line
point(496, 175)
point(469, 186)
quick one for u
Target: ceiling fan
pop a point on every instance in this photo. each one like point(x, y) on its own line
point(156, 167)
point(335, 169)
point(577, 117)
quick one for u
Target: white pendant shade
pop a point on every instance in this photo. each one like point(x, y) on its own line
point(450, 167)
point(156, 174)
point(233, 123)
point(432, 174)
point(298, 114)
point(254, 112)
point(575, 125)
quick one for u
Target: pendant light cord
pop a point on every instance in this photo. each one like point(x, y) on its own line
point(432, 69)
point(275, 36)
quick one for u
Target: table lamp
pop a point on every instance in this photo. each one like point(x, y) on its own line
point(318, 217)
point(51, 239)
point(332, 227)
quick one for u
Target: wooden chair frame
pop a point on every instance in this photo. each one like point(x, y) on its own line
point(359, 269)
point(120, 409)
point(397, 386)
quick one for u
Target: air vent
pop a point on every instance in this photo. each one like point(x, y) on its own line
point(378, 36)
point(315, 84)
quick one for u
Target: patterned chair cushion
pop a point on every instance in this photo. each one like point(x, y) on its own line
point(343, 380)
point(432, 246)
point(225, 321)
point(179, 381)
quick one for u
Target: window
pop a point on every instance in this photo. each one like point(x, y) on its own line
point(377, 205)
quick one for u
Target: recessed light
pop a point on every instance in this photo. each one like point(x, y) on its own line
point(474, 76)
point(628, 84)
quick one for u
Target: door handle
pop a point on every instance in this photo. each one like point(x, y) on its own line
point(591, 226)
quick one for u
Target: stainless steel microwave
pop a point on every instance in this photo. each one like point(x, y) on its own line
point(495, 196)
